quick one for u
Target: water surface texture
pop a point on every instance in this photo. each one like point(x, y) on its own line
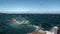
point(47, 21)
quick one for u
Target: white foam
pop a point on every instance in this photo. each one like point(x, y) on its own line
point(48, 32)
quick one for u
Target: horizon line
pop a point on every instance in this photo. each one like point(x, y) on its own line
point(31, 12)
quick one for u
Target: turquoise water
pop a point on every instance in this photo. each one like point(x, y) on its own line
point(47, 21)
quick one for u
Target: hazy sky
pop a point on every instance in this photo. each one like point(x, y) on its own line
point(29, 5)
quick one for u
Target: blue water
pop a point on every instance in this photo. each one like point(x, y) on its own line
point(47, 21)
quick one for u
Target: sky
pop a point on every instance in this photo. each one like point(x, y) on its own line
point(16, 6)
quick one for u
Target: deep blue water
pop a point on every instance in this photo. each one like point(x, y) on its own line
point(47, 21)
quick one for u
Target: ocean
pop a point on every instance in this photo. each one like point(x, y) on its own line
point(47, 21)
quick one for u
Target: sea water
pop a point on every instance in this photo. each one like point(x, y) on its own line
point(47, 21)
